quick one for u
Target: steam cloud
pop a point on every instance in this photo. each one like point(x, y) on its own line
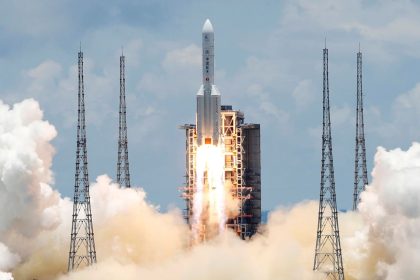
point(135, 241)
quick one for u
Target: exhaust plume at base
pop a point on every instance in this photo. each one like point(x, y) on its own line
point(135, 240)
point(209, 216)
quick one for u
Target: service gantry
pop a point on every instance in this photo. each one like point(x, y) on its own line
point(242, 170)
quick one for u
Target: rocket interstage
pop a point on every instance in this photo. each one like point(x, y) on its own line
point(208, 97)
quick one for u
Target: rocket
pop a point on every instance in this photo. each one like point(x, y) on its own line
point(208, 96)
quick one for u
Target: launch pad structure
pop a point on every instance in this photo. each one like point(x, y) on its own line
point(242, 170)
point(236, 189)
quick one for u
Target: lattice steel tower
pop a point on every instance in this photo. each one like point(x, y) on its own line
point(360, 169)
point(82, 243)
point(328, 257)
point(123, 170)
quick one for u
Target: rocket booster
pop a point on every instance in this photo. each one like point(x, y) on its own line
point(208, 97)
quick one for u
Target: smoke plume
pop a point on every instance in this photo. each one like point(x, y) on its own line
point(388, 244)
point(134, 240)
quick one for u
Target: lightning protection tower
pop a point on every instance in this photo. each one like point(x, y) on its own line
point(360, 170)
point(82, 243)
point(123, 170)
point(328, 257)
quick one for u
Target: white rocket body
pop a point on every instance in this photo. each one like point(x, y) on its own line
point(208, 97)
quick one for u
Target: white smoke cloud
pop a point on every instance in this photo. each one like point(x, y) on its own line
point(25, 161)
point(35, 220)
point(285, 246)
point(6, 276)
point(135, 241)
point(390, 208)
point(7, 259)
point(28, 202)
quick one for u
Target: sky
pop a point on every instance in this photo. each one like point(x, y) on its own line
point(268, 64)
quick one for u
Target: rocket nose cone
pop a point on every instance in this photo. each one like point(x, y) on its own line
point(207, 27)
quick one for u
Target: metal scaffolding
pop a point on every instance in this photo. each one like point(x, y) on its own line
point(190, 153)
point(237, 161)
point(360, 169)
point(123, 170)
point(82, 244)
point(328, 258)
point(234, 168)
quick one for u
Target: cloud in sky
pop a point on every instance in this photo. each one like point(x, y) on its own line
point(304, 94)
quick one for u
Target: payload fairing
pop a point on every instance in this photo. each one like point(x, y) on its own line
point(208, 97)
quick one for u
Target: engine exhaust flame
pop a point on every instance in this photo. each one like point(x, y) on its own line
point(209, 213)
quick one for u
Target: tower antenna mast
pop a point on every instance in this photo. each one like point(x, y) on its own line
point(82, 244)
point(328, 257)
point(123, 170)
point(360, 169)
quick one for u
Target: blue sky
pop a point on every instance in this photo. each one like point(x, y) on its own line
point(268, 64)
